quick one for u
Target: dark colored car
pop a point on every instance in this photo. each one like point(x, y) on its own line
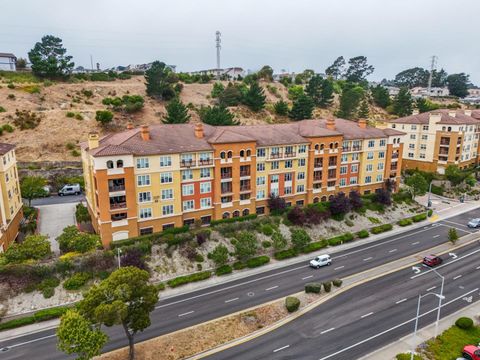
point(471, 352)
point(432, 260)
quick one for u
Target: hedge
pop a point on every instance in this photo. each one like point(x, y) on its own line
point(182, 280)
point(315, 246)
point(257, 261)
point(41, 315)
point(405, 222)
point(362, 234)
point(285, 254)
point(223, 270)
point(232, 220)
point(76, 281)
point(313, 288)
point(239, 265)
point(464, 323)
point(419, 217)
point(381, 228)
point(337, 240)
point(327, 286)
point(292, 303)
point(150, 238)
point(337, 282)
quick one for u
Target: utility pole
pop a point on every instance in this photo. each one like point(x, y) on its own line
point(91, 63)
point(432, 68)
point(218, 41)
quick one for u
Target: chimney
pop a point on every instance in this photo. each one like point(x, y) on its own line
point(331, 123)
point(130, 126)
point(468, 112)
point(199, 131)
point(434, 118)
point(145, 133)
point(93, 141)
point(362, 123)
point(415, 112)
point(452, 113)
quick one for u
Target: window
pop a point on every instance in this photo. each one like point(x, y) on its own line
point(368, 179)
point(187, 190)
point(301, 162)
point(119, 163)
point(411, 146)
point(379, 177)
point(300, 188)
point(422, 156)
point(343, 170)
point(187, 174)
point(369, 168)
point(414, 127)
point(242, 153)
point(344, 158)
point(142, 163)
point(261, 167)
point(188, 205)
point(288, 164)
point(146, 231)
point(260, 194)
point(410, 155)
point(381, 155)
point(109, 164)
point(143, 180)
point(354, 168)
point(423, 146)
point(145, 213)
point(165, 161)
point(204, 158)
point(342, 182)
point(424, 137)
point(275, 165)
point(425, 127)
point(205, 187)
point(205, 203)
point(353, 180)
point(145, 196)
point(275, 151)
point(261, 152)
point(261, 180)
point(222, 155)
point(167, 209)
point(260, 210)
point(382, 142)
point(204, 173)
point(370, 155)
point(287, 190)
point(166, 178)
point(371, 143)
point(274, 192)
point(301, 175)
point(355, 156)
point(167, 194)
point(302, 149)
point(413, 136)
point(187, 159)
point(380, 166)
point(288, 177)
point(274, 179)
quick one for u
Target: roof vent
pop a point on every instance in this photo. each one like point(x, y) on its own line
point(468, 112)
point(145, 133)
point(93, 141)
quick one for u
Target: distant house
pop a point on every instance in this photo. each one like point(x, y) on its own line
point(474, 92)
point(392, 90)
point(8, 62)
point(231, 72)
point(434, 92)
point(144, 67)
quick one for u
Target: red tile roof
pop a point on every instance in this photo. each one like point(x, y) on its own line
point(4, 148)
point(459, 119)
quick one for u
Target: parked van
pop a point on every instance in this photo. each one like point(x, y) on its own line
point(321, 260)
point(73, 189)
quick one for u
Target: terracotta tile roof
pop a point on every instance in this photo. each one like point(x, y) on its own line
point(393, 132)
point(459, 119)
point(4, 148)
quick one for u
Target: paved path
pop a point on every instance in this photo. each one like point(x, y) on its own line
point(55, 199)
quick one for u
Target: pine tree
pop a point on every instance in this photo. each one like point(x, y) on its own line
point(363, 111)
point(327, 93)
point(49, 58)
point(255, 97)
point(159, 81)
point(177, 112)
point(217, 116)
point(314, 89)
point(403, 103)
point(380, 96)
point(281, 108)
point(350, 99)
point(302, 108)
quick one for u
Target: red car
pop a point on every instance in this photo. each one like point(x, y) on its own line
point(471, 352)
point(432, 260)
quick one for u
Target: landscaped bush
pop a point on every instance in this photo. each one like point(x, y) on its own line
point(73, 240)
point(327, 286)
point(266, 244)
point(315, 246)
point(419, 217)
point(437, 190)
point(258, 261)
point(279, 241)
point(246, 245)
point(34, 247)
point(292, 303)
point(337, 240)
point(47, 286)
point(267, 230)
point(76, 281)
point(81, 213)
point(408, 356)
point(464, 323)
point(223, 270)
point(313, 288)
point(381, 228)
point(160, 286)
point(182, 280)
point(232, 220)
point(405, 222)
point(25, 119)
point(41, 315)
point(402, 197)
point(300, 238)
point(337, 282)
point(362, 234)
point(285, 254)
point(104, 116)
point(238, 265)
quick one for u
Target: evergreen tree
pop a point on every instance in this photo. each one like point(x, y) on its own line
point(217, 116)
point(255, 97)
point(336, 70)
point(403, 103)
point(458, 84)
point(380, 96)
point(302, 108)
point(217, 90)
point(159, 81)
point(48, 58)
point(314, 89)
point(363, 111)
point(350, 99)
point(358, 69)
point(177, 112)
point(231, 96)
point(281, 108)
point(327, 93)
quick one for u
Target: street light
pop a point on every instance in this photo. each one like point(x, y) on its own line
point(439, 301)
point(119, 252)
point(428, 198)
point(441, 297)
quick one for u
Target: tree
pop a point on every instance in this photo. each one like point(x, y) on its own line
point(276, 204)
point(413, 77)
point(458, 84)
point(454, 175)
point(21, 63)
point(279, 241)
point(339, 204)
point(231, 96)
point(217, 90)
point(159, 81)
point(380, 96)
point(350, 100)
point(265, 73)
point(297, 216)
point(49, 59)
point(302, 108)
point(125, 298)
point(439, 78)
point(364, 110)
point(219, 255)
point(327, 93)
point(177, 112)
point(33, 247)
point(383, 197)
point(355, 199)
point(336, 70)
point(300, 238)
point(418, 184)
point(104, 117)
point(452, 235)
point(281, 108)
point(134, 257)
point(76, 335)
point(71, 239)
point(246, 245)
point(403, 103)
point(320, 90)
point(358, 69)
point(425, 105)
point(255, 97)
point(217, 116)
point(295, 91)
point(32, 187)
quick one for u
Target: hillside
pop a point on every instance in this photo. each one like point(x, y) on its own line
point(57, 136)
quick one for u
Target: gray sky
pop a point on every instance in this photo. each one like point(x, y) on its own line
point(292, 35)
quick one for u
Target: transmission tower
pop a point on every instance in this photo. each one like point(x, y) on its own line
point(218, 41)
point(432, 68)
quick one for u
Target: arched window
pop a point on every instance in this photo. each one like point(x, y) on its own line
point(322, 146)
point(109, 164)
point(119, 163)
point(222, 154)
point(330, 198)
point(236, 213)
point(242, 153)
point(225, 215)
point(249, 153)
point(449, 129)
point(443, 128)
point(229, 155)
point(331, 145)
point(317, 147)
point(245, 212)
point(324, 198)
point(336, 145)
point(315, 200)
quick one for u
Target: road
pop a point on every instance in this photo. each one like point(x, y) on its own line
point(55, 199)
point(384, 311)
point(199, 306)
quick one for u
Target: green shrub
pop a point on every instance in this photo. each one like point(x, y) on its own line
point(72, 239)
point(104, 116)
point(334, 241)
point(8, 128)
point(405, 222)
point(257, 261)
point(408, 356)
point(464, 323)
point(267, 230)
point(327, 286)
point(292, 304)
point(430, 212)
point(2, 109)
point(160, 286)
point(34, 247)
point(78, 116)
point(199, 258)
point(76, 281)
point(374, 220)
point(313, 288)
point(315, 246)
point(223, 270)
point(11, 86)
point(12, 324)
point(337, 282)
point(300, 238)
point(48, 314)
point(362, 234)
point(232, 220)
point(437, 190)
point(381, 228)
point(70, 114)
point(419, 217)
point(285, 254)
point(279, 241)
point(238, 265)
point(182, 280)
point(47, 287)
point(266, 244)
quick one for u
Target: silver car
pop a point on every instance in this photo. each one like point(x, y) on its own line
point(474, 223)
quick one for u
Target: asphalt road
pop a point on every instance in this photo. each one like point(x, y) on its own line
point(196, 307)
point(55, 199)
point(384, 310)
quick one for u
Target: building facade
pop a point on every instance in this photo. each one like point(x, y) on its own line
point(437, 139)
point(10, 200)
point(147, 179)
point(8, 62)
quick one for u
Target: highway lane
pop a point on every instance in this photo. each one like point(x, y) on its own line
point(369, 316)
point(196, 307)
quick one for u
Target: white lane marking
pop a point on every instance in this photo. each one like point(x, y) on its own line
point(366, 315)
point(271, 288)
point(31, 341)
point(455, 223)
point(459, 229)
point(435, 236)
point(307, 277)
point(400, 301)
point(187, 313)
point(282, 348)
point(340, 267)
point(416, 243)
point(430, 289)
point(326, 331)
point(230, 300)
point(393, 328)
point(478, 268)
point(368, 258)
point(446, 264)
point(392, 251)
point(457, 277)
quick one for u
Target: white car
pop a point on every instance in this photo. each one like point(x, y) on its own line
point(320, 261)
point(474, 223)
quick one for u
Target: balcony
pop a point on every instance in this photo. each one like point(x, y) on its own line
point(317, 179)
point(187, 163)
point(225, 176)
point(395, 156)
point(290, 154)
point(118, 205)
point(318, 164)
point(245, 188)
point(205, 162)
point(113, 188)
point(276, 156)
point(244, 173)
point(351, 148)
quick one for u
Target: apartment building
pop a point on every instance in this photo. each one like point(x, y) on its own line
point(10, 200)
point(147, 179)
point(437, 139)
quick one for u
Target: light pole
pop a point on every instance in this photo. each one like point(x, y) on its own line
point(119, 252)
point(417, 317)
point(440, 298)
point(428, 198)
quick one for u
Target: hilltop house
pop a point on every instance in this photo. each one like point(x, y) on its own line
point(8, 62)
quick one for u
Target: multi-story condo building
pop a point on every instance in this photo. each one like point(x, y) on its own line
point(147, 179)
point(10, 200)
point(437, 139)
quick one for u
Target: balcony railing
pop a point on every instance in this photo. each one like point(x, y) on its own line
point(318, 164)
point(351, 148)
point(244, 173)
point(204, 162)
point(317, 178)
point(226, 175)
point(119, 205)
point(276, 155)
point(113, 188)
point(395, 156)
point(245, 188)
point(187, 163)
point(290, 154)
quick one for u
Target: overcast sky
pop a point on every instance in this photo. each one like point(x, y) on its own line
point(291, 35)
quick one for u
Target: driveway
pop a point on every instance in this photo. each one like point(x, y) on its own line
point(55, 199)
